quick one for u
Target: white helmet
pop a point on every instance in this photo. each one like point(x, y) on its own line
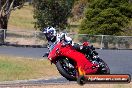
point(50, 33)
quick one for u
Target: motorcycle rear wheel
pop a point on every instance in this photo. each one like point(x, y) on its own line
point(103, 66)
point(67, 72)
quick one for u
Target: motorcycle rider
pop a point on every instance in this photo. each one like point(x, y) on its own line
point(52, 37)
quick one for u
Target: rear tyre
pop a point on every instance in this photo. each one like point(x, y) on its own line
point(103, 69)
point(66, 68)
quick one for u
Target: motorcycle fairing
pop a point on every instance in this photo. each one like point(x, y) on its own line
point(83, 64)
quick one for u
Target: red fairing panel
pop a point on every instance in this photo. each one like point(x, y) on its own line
point(80, 58)
point(53, 54)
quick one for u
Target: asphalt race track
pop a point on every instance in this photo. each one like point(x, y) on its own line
point(119, 61)
point(27, 52)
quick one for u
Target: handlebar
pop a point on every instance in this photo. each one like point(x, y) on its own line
point(65, 43)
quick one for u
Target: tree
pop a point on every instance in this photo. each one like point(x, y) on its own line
point(6, 6)
point(52, 13)
point(78, 9)
point(107, 17)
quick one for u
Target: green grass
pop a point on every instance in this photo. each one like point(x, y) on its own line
point(15, 68)
point(22, 18)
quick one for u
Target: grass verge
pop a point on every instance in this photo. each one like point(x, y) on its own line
point(21, 68)
point(85, 86)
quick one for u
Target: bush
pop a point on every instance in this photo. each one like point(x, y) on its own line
point(106, 17)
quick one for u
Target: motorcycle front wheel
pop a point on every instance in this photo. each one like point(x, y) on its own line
point(66, 68)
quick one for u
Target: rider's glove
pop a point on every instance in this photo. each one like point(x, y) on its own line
point(46, 54)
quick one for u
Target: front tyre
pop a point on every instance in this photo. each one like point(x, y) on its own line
point(81, 80)
point(67, 69)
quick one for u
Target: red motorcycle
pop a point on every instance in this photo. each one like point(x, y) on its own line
point(71, 63)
